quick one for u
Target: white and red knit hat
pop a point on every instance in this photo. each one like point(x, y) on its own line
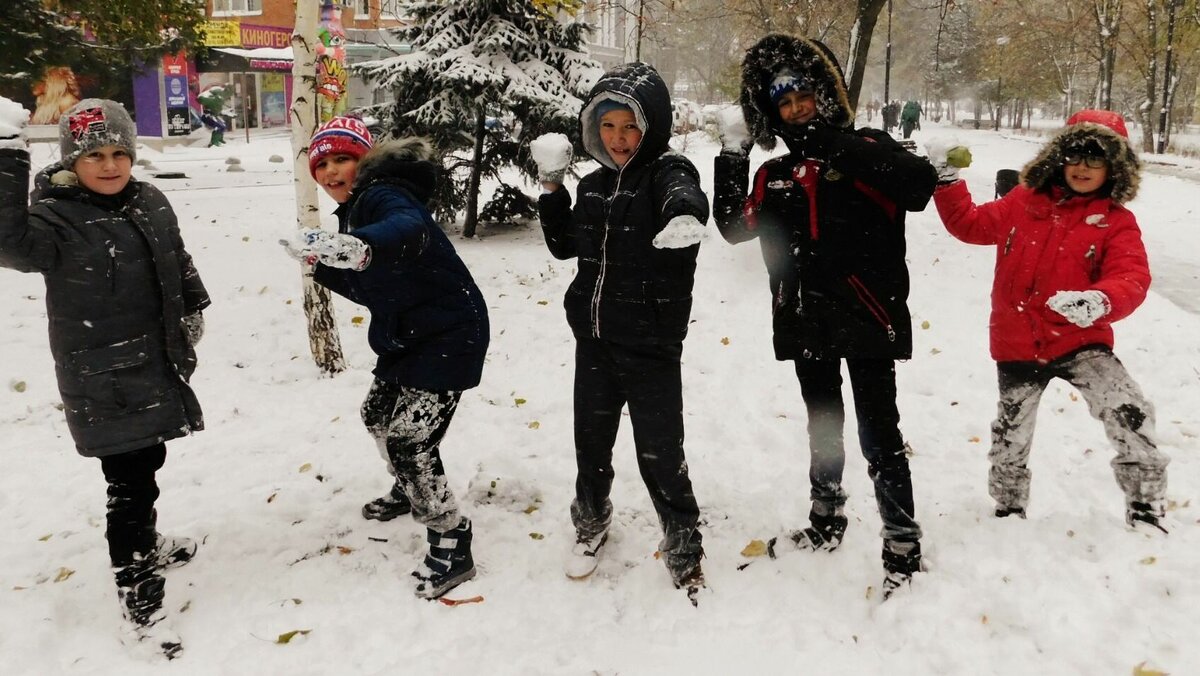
point(339, 136)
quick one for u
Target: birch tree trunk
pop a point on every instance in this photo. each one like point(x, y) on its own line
point(323, 337)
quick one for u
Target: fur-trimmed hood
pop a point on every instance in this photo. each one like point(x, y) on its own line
point(406, 161)
point(810, 59)
point(639, 86)
point(1102, 127)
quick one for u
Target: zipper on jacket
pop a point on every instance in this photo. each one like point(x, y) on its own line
point(1093, 265)
point(604, 256)
point(112, 264)
point(1008, 242)
point(876, 308)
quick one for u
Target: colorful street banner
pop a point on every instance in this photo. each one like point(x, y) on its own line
point(332, 78)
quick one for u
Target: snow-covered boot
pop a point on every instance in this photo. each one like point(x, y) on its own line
point(584, 557)
point(1002, 512)
point(388, 507)
point(825, 533)
point(1145, 514)
point(691, 581)
point(900, 561)
point(140, 591)
point(173, 552)
point(448, 563)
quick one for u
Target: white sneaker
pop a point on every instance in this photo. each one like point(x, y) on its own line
point(584, 556)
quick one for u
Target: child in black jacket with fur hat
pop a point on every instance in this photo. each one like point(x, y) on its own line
point(829, 216)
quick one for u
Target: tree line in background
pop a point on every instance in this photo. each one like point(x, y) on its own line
point(1004, 59)
point(97, 38)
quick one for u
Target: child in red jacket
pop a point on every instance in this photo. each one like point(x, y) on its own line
point(1069, 263)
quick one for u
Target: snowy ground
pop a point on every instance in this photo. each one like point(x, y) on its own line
point(275, 484)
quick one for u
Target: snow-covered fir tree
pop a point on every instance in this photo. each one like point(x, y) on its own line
point(474, 61)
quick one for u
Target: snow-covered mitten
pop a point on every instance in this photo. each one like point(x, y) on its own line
point(337, 250)
point(680, 232)
point(731, 128)
point(1081, 308)
point(193, 328)
point(552, 154)
point(13, 118)
point(948, 156)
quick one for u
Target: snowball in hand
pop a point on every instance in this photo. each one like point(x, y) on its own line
point(732, 127)
point(13, 118)
point(551, 152)
point(948, 150)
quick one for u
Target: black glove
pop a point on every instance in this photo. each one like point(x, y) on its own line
point(811, 139)
point(193, 328)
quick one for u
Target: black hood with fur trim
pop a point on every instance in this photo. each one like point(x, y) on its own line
point(407, 162)
point(809, 59)
point(1124, 168)
point(639, 86)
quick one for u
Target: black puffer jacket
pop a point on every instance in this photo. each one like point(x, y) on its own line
point(429, 322)
point(829, 215)
point(626, 290)
point(118, 282)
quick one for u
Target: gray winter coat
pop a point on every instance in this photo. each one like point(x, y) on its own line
point(118, 283)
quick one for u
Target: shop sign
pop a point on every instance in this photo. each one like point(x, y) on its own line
point(265, 36)
point(222, 34)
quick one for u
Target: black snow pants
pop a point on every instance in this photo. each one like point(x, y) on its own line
point(646, 377)
point(873, 383)
point(131, 531)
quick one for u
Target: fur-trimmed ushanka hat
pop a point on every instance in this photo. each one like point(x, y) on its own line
point(1089, 132)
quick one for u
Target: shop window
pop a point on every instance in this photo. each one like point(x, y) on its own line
point(236, 7)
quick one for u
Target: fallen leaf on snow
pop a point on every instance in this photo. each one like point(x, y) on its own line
point(287, 636)
point(63, 573)
point(1143, 670)
point(305, 467)
point(755, 548)
point(458, 602)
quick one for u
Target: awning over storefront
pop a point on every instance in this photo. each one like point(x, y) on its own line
point(238, 60)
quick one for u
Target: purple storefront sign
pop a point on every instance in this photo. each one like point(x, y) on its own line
point(147, 107)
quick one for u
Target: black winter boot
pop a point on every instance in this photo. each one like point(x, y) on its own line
point(448, 563)
point(1146, 514)
point(173, 552)
point(825, 533)
point(900, 561)
point(140, 591)
point(388, 507)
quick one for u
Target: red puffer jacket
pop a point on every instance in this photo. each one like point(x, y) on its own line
point(1045, 244)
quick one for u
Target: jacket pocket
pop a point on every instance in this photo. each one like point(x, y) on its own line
point(873, 305)
point(118, 379)
point(123, 355)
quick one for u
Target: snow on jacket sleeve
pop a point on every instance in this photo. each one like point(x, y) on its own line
point(983, 224)
point(558, 223)
point(677, 190)
point(878, 161)
point(26, 243)
point(1124, 270)
point(732, 209)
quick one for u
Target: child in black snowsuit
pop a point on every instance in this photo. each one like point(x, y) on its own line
point(829, 216)
point(429, 323)
point(635, 230)
point(124, 305)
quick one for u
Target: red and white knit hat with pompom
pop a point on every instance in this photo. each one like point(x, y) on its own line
point(339, 136)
